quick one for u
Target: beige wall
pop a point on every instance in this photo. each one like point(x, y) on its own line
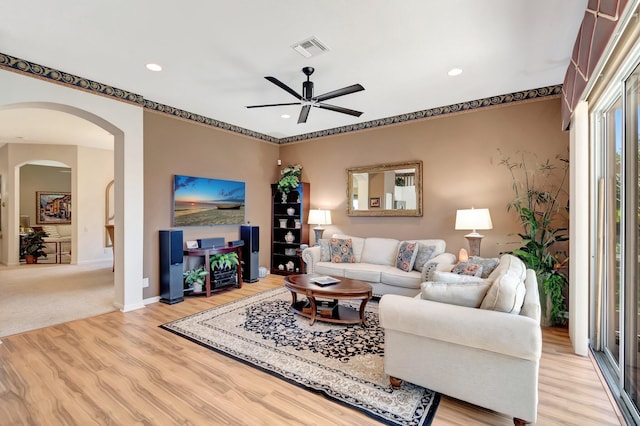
point(459, 153)
point(461, 170)
point(40, 178)
point(174, 146)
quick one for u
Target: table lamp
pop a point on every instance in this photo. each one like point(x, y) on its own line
point(319, 217)
point(473, 219)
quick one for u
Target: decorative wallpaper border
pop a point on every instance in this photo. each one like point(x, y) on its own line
point(38, 71)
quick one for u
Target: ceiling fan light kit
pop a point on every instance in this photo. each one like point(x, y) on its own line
point(307, 100)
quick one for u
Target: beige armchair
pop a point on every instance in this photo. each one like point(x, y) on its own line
point(486, 357)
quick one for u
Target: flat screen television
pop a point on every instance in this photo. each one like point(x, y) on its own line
point(199, 201)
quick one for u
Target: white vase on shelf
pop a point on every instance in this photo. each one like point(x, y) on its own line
point(284, 197)
point(291, 211)
point(283, 223)
point(298, 225)
point(289, 237)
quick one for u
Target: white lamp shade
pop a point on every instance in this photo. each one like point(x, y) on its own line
point(472, 219)
point(319, 217)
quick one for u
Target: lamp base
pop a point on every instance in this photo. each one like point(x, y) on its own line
point(318, 235)
point(474, 244)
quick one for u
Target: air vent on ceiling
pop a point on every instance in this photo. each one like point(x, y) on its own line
point(310, 47)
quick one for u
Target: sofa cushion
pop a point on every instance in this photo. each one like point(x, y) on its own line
point(425, 253)
point(469, 294)
point(325, 250)
point(342, 251)
point(329, 268)
point(407, 252)
point(440, 245)
point(467, 268)
point(356, 242)
point(488, 264)
point(507, 290)
point(363, 271)
point(393, 276)
point(380, 251)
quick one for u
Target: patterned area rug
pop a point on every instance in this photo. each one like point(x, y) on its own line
point(342, 362)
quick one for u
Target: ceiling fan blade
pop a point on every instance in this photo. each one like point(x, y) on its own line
point(340, 92)
point(340, 109)
point(271, 105)
point(284, 87)
point(304, 113)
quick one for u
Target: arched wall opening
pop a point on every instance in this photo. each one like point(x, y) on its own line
point(122, 120)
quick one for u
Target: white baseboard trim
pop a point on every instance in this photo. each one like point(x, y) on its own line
point(129, 308)
point(151, 300)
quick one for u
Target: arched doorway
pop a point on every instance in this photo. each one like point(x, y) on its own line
point(124, 122)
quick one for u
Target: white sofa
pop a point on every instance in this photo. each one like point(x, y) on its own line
point(375, 263)
point(482, 354)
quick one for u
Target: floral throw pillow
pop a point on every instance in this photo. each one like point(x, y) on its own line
point(467, 268)
point(407, 253)
point(342, 251)
point(424, 254)
point(488, 264)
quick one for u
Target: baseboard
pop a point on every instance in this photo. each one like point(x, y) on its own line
point(96, 262)
point(129, 308)
point(151, 300)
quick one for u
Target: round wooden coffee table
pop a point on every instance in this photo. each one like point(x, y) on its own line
point(328, 310)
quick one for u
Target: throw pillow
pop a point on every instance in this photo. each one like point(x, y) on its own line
point(488, 264)
point(425, 253)
point(506, 294)
point(342, 251)
point(450, 277)
point(427, 271)
point(467, 268)
point(407, 253)
point(469, 294)
point(325, 250)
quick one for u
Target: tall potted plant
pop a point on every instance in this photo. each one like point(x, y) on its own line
point(33, 246)
point(541, 203)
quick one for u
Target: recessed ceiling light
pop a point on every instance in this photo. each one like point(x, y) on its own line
point(154, 67)
point(454, 72)
point(285, 116)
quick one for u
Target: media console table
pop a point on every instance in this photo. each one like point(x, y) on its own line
point(207, 253)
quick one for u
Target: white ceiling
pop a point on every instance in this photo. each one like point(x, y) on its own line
point(215, 54)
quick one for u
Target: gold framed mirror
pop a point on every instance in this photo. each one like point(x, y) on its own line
point(385, 190)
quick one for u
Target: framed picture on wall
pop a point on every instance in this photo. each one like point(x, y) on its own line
point(53, 208)
point(374, 202)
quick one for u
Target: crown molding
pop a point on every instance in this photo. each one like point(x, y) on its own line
point(31, 69)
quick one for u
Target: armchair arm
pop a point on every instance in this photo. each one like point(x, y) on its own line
point(514, 335)
point(311, 255)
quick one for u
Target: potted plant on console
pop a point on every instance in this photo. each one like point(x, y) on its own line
point(224, 269)
point(33, 245)
point(195, 279)
point(289, 180)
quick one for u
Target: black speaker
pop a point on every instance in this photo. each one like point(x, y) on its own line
point(171, 259)
point(250, 252)
point(205, 243)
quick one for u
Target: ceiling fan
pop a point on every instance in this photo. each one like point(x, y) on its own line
point(307, 100)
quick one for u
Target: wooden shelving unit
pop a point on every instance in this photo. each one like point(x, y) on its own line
point(283, 252)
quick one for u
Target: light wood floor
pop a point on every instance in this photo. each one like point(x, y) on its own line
point(122, 369)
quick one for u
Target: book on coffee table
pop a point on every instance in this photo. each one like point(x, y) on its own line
point(325, 280)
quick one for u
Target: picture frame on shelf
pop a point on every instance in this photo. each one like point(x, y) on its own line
point(374, 202)
point(191, 244)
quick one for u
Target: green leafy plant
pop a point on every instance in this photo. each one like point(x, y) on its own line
point(224, 260)
point(541, 202)
point(33, 244)
point(195, 276)
point(289, 178)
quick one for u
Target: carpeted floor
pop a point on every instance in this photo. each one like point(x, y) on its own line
point(344, 363)
point(36, 296)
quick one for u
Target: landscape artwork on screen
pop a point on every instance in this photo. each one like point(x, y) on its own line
point(201, 201)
